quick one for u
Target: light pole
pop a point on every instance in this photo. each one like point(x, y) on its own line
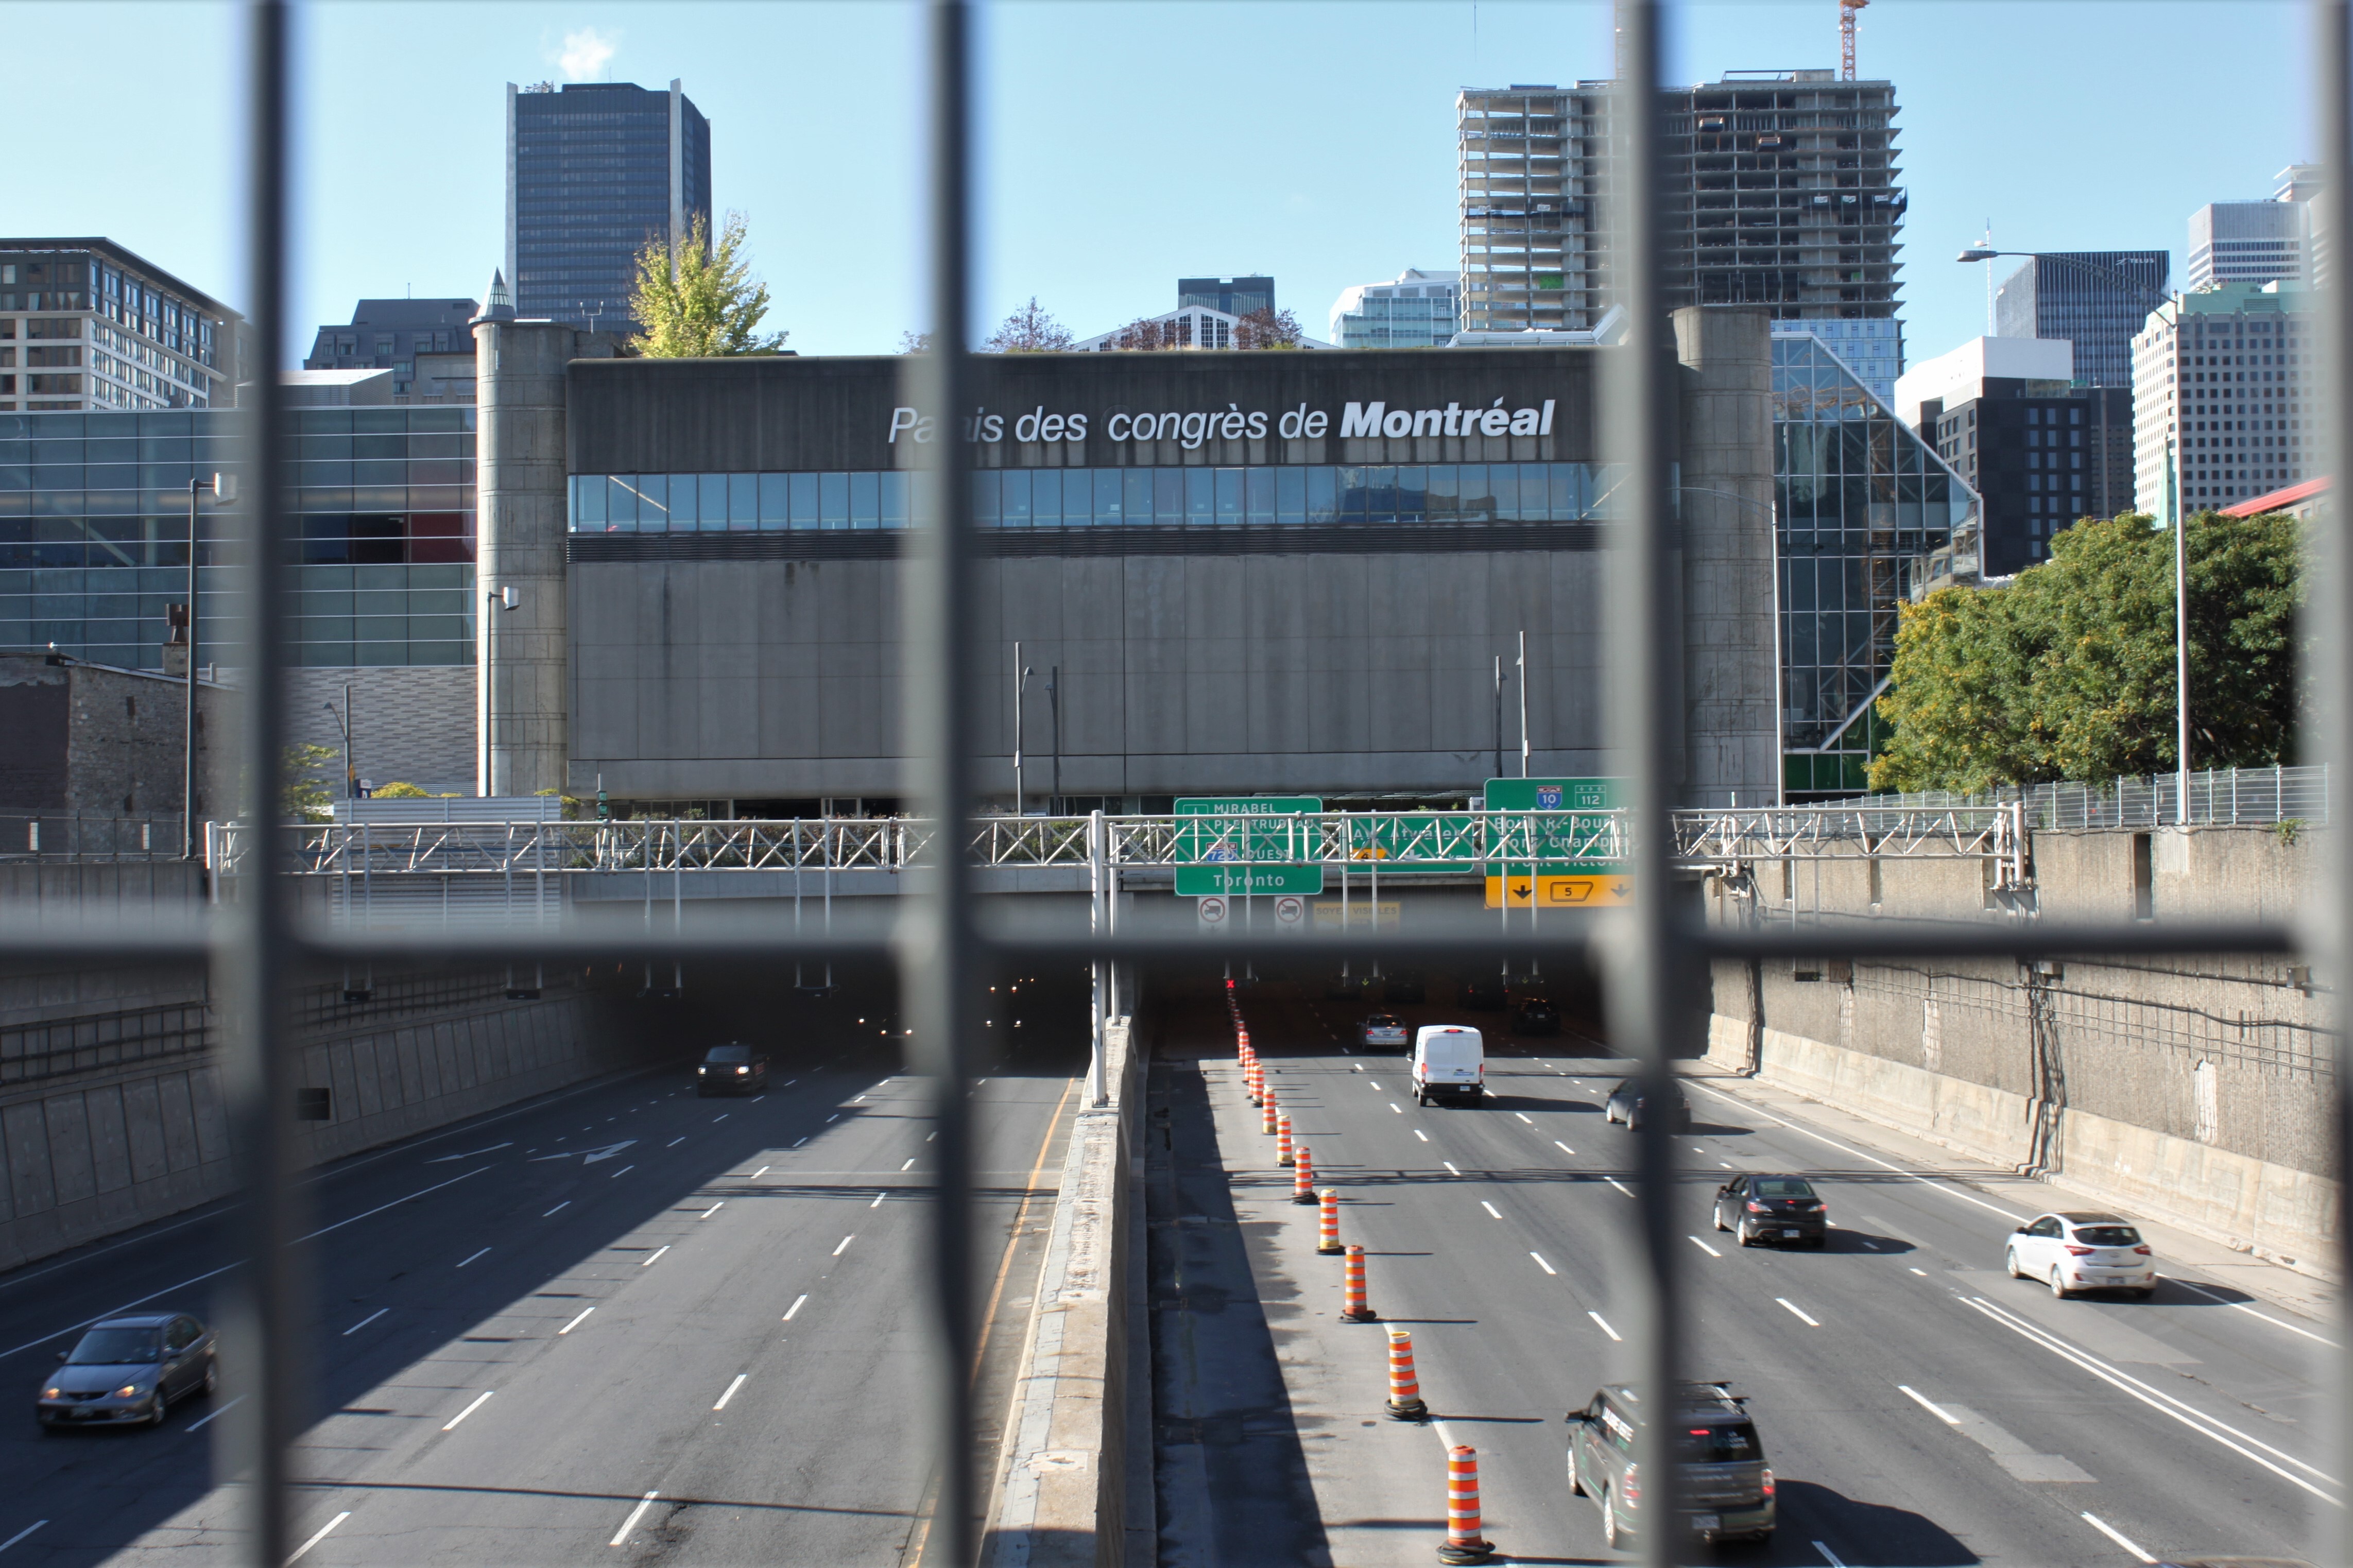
point(1524, 704)
point(343, 723)
point(223, 489)
point(501, 598)
point(1021, 682)
point(1977, 253)
point(1054, 702)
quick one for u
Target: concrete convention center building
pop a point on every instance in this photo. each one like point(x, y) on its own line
point(1253, 571)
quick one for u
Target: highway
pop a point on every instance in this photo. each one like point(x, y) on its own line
point(1917, 1406)
point(619, 1324)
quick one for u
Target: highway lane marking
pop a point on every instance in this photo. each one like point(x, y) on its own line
point(1728, 1164)
point(758, 1098)
point(1449, 1165)
point(480, 1400)
point(799, 1142)
point(713, 1209)
point(471, 1259)
point(2243, 1306)
point(630, 1523)
point(799, 1302)
point(648, 1263)
point(855, 1099)
point(622, 1172)
point(1562, 1147)
point(577, 1321)
point(1420, 1134)
point(2110, 1531)
point(790, 1082)
point(1921, 1272)
point(1705, 1247)
point(1370, 1084)
point(721, 1117)
point(1929, 1406)
point(211, 1415)
point(1606, 1328)
point(1353, 1067)
point(22, 1533)
point(1393, 1106)
point(325, 1531)
point(363, 1322)
point(1523, 1116)
point(550, 1214)
point(1800, 1313)
point(731, 1391)
point(835, 1117)
point(1939, 1184)
point(675, 1142)
point(1619, 1185)
point(1829, 1556)
point(377, 1210)
point(844, 1245)
point(1490, 1208)
point(878, 1200)
point(757, 1174)
point(2197, 1420)
point(910, 1164)
point(1540, 1262)
point(445, 1159)
point(929, 1136)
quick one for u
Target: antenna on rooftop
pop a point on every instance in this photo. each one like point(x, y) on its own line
point(1847, 8)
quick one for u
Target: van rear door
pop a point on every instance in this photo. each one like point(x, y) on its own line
point(1449, 1054)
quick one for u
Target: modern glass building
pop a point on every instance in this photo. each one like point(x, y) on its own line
point(2095, 299)
point(1415, 310)
point(94, 533)
point(1865, 507)
point(595, 170)
point(85, 324)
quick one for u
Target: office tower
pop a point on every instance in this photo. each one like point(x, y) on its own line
point(2040, 452)
point(1781, 192)
point(596, 170)
point(1415, 310)
point(2095, 299)
point(2222, 397)
point(428, 344)
point(2257, 242)
point(87, 325)
point(1235, 296)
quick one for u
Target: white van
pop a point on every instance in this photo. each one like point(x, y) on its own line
point(1448, 1060)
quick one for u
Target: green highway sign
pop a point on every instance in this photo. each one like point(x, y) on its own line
point(1553, 795)
point(1246, 844)
point(1249, 805)
point(1555, 845)
point(1237, 879)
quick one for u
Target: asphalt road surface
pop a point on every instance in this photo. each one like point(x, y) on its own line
point(1917, 1406)
point(621, 1323)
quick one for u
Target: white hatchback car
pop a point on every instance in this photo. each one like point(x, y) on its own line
point(2072, 1252)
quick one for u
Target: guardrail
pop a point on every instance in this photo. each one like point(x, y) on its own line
point(2221, 797)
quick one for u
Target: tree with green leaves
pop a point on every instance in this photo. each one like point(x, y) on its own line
point(2068, 671)
point(702, 303)
point(307, 797)
point(1029, 331)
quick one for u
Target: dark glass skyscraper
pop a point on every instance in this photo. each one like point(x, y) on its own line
point(593, 171)
point(2095, 299)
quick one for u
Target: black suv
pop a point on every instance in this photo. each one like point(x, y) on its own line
point(731, 1069)
point(1771, 1209)
point(1536, 1016)
point(1727, 1487)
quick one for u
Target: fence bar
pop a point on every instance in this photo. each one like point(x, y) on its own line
point(1641, 624)
point(266, 1338)
point(938, 948)
point(2330, 902)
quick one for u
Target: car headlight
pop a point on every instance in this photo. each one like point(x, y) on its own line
point(53, 1394)
point(131, 1391)
point(742, 1069)
point(701, 1071)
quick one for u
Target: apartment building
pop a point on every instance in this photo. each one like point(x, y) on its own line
point(2222, 397)
point(85, 325)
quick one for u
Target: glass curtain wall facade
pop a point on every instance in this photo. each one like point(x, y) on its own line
point(2095, 299)
point(1863, 503)
point(597, 170)
point(94, 533)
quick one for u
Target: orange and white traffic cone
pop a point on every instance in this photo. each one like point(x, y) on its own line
point(1266, 1102)
point(1352, 1309)
point(1253, 1082)
point(1463, 1543)
point(1328, 1240)
point(1405, 1389)
point(1283, 1139)
point(1303, 1172)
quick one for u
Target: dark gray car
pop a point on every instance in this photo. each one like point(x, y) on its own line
point(1727, 1487)
point(130, 1371)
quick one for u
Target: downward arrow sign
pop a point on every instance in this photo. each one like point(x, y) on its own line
point(591, 1155)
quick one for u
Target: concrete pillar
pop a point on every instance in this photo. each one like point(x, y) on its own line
point(1731, 640)
point(519, 474)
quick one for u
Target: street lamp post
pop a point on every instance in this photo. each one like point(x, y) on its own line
point(1021, 682)
point(224, 488)
point(1054, 702)
point(343, 725)
point(1976, 253)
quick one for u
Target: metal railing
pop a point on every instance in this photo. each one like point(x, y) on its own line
point(49, 837)
point(2220, 797)
point(945, 941)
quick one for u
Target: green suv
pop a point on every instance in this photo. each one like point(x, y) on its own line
point(1727, 1487)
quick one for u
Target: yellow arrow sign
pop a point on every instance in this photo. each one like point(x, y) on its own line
point(1581, 893)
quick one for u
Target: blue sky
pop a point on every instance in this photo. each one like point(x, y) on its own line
point(1125, 143)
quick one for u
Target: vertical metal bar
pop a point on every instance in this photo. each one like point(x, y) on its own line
point(264, 1328)
point(2330, 912)
point(1641, 628)
point(938, 948)
point(188, 781)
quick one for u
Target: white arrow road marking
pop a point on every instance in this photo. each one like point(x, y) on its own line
point(592, 1155)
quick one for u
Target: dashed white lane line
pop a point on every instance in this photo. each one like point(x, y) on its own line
point(2243, 1306)
point(1394, 1106)
point(835, 1117)
point(731, 1391)
point(799, 1142)
point(1542, 1263)
point(713, 1209)
point(721, 1116)
point(878, 1200)
point(1830, 1557)
point(471, 1259)
point(790, 1082)
point(844, 1245)
point(855, 1099)
point(210, 1416)
point(1372, 1084)
point(910, 1164)
point(480, 1400)
point(1606, 1328)
point(296, 1555)
point(648, 1263)
point(577, 1321)
point(1562, 1147)
point(1921, 1272)
point(1524, 1117)
point(1940, 1185)
point(623, 1172)
point(363, 1322)
point(675, 1142)
point(1705, 1247)
point(1619, 1185)
point(2110, 1531)
point(1800, 1312)
point(798, 1303)
point(1490, 1208)
point(1924, 1403)
point(22, 1533)
point(758, 1174)
point(1449, 1165)
point(1728, 1164)
point(1420, 1134)
point(551, 1213)
point(630, 1523)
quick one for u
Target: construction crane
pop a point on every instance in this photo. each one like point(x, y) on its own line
point(1847, 8)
